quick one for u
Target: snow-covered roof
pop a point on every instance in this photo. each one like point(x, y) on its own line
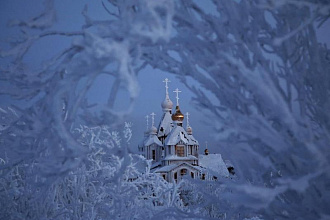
point(192, 140)
point(175, 157)
point(156, 164)
point(173, 166)
point(166, 168)
point(214, 163)
point(178, 134)
point(152, 139)
point(165, 125)
point(228, 163)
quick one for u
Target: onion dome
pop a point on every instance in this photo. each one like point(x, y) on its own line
point(167, 104)
point(189, 130)
point(153, 130)
point(177, 116)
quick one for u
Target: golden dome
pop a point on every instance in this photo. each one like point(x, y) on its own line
point(177, 116)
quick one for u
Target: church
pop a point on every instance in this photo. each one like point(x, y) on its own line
point(171, 147)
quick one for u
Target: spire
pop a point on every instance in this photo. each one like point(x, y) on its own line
point(177, 96)
point(146, 133)
point(153, 129)
point(153, 119)
point(206, 151)
point(187, 114)
point(189, 129)
point(167, 104)
point(166, 85)
point(177, 116)
point(147, 117)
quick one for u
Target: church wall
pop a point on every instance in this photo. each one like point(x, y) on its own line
point(179, 173)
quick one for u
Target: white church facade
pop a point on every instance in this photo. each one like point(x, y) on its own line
point(173, 149)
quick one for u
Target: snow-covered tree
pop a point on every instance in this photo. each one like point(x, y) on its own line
point(105, 186)
point(260, 59)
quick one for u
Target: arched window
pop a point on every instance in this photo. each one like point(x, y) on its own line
point(192, 175)
point(175, 176)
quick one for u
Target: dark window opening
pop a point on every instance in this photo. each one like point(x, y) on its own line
point(183, 172)
point(231, 170)
point(153, 154)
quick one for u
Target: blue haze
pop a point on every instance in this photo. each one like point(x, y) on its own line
point(152, 91)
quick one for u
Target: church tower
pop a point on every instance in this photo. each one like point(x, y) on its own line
point(166, 123)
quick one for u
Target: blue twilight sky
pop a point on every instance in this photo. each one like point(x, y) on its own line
point(152, 93)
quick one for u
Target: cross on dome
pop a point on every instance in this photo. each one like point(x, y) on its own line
point(166, 81)
point(153, 119)
point(187, 114)
point(147, 117)
point(167, 104)
point(177, 96)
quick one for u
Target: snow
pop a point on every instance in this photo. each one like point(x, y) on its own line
point(173, 166)
point(192, 140)
point(3, 111)
point(166, 123)
point(177, 134)
point(215, 163)
point(152, 139)
point(167, 168)
point(175, 157)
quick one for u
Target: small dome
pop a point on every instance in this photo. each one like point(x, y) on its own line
point(146, 133)
point(153, 130)
point(177, 116)
point(189, 130)
point(167, 104)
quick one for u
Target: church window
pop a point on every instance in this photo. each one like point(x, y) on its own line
point(164, 176)
point(175, 176)
point(192, 174)
point(183, 172)
point(179, 151)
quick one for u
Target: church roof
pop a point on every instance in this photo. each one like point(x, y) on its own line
point(173, 166)
point(175, 157)
point(165, 125)
point(214, 164)
point(152, 139)
point(179, 134)
point(192, 140)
